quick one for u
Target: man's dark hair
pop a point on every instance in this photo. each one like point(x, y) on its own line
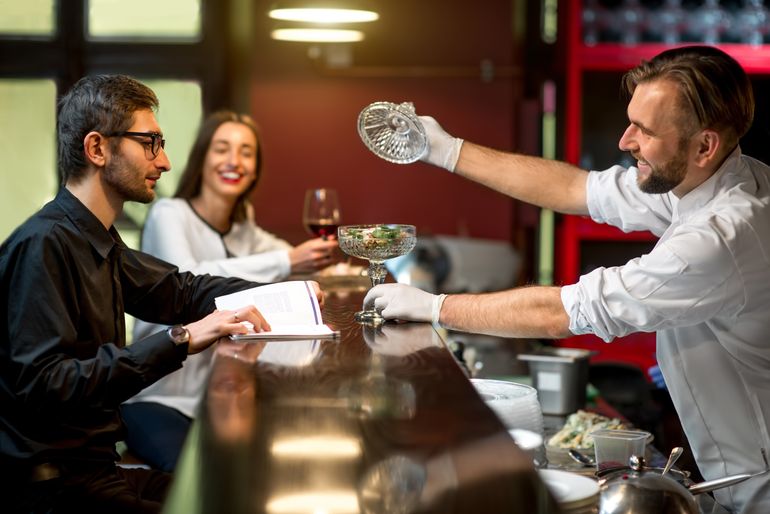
point(715, 92)
point(101, 103)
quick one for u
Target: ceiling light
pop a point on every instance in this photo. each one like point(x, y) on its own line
point(318, 35)
point(324, 15)
point(324, 11)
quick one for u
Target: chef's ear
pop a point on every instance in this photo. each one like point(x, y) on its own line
point(709, 143)
point(95, 148)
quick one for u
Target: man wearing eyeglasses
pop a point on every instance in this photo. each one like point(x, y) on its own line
point(66, 280)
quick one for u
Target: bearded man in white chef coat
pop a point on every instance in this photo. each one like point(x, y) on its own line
point(704, 288)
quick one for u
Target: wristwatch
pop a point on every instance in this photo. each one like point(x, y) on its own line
point(178, 334)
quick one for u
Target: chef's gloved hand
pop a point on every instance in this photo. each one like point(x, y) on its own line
point(657, 377)
point(443, 150)
point(400, 301)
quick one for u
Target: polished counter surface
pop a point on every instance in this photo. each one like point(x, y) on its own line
point(382, 420)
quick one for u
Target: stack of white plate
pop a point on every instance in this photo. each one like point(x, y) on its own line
point(515, 404)
point(575, 494)
point(531, 443)
point(527, 440)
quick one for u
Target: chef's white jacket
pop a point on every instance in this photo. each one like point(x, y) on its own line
point(705, 290)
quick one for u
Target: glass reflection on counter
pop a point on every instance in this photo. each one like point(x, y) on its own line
point(400, 339)
point(378, 394)
point(393, 486)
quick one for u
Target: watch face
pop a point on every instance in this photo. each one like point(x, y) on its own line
point(179, 334)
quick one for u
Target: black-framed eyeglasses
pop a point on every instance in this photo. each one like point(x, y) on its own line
point(156, 140)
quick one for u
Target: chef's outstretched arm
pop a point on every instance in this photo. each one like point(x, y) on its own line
point(546, 183)
point(524, 312)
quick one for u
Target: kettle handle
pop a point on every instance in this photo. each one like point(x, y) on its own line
point(718, 483)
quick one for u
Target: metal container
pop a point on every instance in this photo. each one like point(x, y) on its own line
point(640, 490)
point(637, 489)
point(560, 376)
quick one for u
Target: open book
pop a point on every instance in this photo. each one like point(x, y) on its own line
point(291, 308)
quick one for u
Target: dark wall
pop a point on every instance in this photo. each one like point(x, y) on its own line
point(424, 51)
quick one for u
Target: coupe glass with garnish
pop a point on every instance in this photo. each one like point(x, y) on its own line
point(376, 244)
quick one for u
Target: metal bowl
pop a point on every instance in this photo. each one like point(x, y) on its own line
point(683, 477)
point(640, 490)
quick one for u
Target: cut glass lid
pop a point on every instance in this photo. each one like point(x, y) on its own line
point(392, 131)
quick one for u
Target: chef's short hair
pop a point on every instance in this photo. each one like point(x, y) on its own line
point(715, 91)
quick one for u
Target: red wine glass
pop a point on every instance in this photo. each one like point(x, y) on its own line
point(321, 215)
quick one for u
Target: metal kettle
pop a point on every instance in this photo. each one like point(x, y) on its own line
point(640, 490)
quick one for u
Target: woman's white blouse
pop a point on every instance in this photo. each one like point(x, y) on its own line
point(175, 233)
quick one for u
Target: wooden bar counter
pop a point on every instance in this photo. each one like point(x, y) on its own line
point(382, 420)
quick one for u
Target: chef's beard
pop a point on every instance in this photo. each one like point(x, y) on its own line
point(668, 175)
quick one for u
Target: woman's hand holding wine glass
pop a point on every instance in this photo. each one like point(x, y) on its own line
point(312, 255)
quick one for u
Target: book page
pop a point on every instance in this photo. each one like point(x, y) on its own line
point(283, 303)
point(291, 308)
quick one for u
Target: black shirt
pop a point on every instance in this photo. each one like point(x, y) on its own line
point(65, 283)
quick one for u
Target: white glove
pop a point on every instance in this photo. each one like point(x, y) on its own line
point(400, 301)
point(443, 150)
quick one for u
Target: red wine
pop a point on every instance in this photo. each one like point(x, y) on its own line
point(323, 229)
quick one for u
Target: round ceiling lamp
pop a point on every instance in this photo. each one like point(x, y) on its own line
point(317, 35)
point(324, 11)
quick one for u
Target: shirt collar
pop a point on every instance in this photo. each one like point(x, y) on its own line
point(706, 191)
point(89, 225)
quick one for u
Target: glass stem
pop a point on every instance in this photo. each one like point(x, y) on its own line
point(377, 272)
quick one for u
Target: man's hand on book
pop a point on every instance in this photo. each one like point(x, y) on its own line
point(224, 323)
point(293, 308)
point(318, 293)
